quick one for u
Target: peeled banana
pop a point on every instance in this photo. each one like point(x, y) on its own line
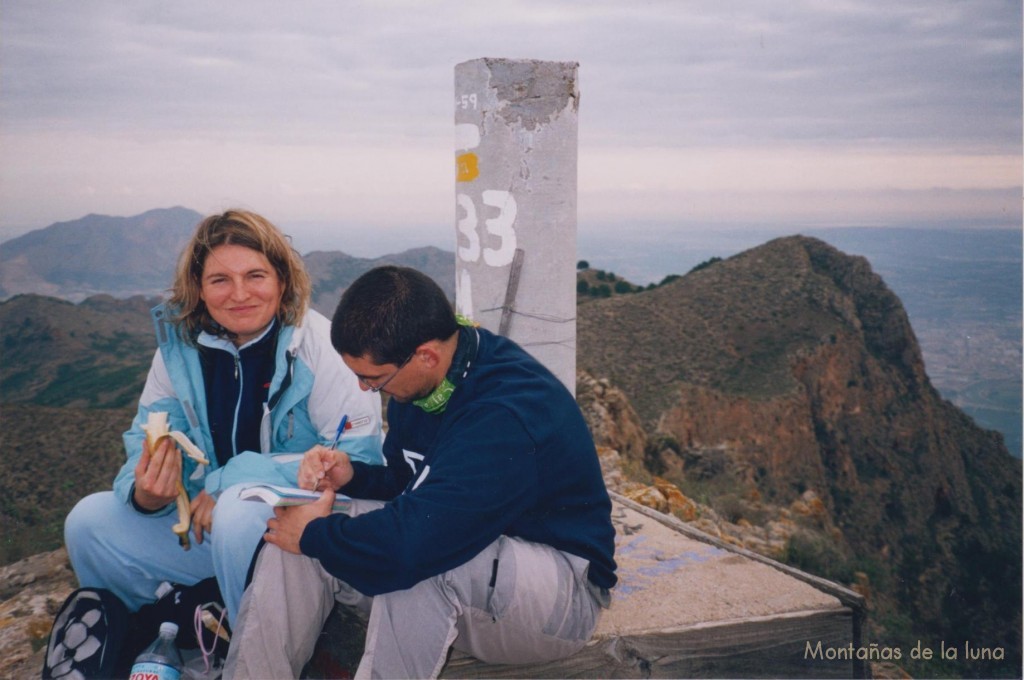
point(156, 428)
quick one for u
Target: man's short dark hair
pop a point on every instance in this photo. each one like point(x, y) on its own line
point(388, 312)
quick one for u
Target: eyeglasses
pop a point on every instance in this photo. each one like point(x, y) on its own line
point(377, 388)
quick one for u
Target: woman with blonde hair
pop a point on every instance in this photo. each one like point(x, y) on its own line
point(247, 372)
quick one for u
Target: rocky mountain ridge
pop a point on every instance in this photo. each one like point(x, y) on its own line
point(791, 368)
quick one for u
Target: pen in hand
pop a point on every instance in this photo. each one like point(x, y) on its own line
point(333, 447)
point(341, 429)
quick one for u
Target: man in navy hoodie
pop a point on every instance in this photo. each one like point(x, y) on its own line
point(488, 530)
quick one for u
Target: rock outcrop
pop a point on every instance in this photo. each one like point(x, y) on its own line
point(792, 368)
point(31, 592)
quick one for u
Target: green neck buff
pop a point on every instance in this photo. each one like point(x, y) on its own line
point(465, 353)
point(436, 401)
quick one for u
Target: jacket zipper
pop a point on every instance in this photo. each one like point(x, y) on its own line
point(238, 404)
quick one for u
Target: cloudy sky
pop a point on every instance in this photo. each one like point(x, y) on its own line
point(330, 116)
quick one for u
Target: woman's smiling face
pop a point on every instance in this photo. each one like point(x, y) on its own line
point(241, 289)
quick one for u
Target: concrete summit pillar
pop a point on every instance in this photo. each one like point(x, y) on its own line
point(515, 194)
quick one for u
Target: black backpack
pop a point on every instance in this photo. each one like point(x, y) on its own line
point(88, 637)
point(95, 636)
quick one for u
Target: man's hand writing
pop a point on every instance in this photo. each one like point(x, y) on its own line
point(322, 468)
point(285, 528)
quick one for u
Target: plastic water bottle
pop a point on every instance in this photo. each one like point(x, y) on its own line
point(161, 660)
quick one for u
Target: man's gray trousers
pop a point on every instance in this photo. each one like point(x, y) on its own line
point(515, 602)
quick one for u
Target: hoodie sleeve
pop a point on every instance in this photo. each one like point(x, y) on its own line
point(461, 499)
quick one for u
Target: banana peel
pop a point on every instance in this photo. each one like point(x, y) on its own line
point(156, 428)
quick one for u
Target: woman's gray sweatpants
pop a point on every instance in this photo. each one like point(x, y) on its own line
point(515, 602)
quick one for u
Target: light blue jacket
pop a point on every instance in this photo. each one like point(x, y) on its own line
point(310, 392)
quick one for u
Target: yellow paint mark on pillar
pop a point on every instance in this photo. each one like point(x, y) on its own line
point(466, 167)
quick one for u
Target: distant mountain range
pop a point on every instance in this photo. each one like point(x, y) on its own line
point(128, 256)
point(332, 272)
point(120, 256)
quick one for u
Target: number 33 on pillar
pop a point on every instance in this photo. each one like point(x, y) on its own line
point(501, 227)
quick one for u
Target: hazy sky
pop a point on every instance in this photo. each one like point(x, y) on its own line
point(332, 115)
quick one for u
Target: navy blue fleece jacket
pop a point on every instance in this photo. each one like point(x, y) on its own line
point(511, 455)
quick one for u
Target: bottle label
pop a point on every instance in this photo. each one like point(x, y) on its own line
point(148, 670)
